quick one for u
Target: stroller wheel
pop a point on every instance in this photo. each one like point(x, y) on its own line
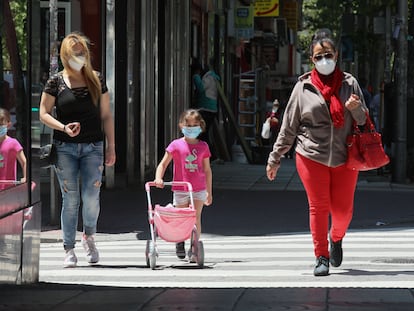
point(200, 254)
point(196, 254)
point(151, 255)
point(147, 253)
point(192, 252)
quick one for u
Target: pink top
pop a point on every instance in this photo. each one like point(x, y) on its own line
point(8, 164)
point(188, 162)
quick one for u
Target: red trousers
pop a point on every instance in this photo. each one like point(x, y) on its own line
point(330, 192)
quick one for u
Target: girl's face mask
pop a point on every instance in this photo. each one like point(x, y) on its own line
point(191, 131)
point(3, 130)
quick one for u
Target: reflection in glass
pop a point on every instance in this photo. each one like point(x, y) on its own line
point(11, 152)
point(13, 67)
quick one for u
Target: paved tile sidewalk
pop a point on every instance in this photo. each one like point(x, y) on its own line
point(243, 176)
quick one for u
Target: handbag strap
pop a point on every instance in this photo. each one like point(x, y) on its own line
point(368, 126)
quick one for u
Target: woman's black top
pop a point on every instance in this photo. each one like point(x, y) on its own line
point(75, 105)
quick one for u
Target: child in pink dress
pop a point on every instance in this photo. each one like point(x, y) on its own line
point(10, 152)
point(191, 159)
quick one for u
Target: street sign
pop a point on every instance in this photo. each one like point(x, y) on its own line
point(243, 22)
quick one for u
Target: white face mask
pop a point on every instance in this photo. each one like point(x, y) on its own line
point(325, 66)
point(76, 63)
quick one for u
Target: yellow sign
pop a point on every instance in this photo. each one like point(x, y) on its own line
point(266, 8)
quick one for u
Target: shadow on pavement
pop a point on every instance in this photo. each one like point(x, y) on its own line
point(248, 213)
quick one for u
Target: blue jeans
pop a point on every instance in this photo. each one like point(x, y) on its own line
point(79, 170)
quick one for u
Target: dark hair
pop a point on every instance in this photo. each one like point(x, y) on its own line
point(196, 65)
point(322, 37)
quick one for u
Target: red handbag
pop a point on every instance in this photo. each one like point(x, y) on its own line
point(365, 150)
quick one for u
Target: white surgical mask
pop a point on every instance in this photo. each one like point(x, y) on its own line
point(3, 130)
point(325, 66)
point(76, 63)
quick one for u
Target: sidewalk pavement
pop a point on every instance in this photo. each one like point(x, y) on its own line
point(243, 176)
point(61, 297)
point(228, 175)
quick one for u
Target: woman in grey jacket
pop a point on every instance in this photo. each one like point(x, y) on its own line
point(320, 112)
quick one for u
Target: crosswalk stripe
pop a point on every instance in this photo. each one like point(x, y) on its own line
point(228, 264)
point(372, 258)
point(258, 255)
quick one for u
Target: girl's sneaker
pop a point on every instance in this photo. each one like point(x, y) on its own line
point(70, 260)
point(92, 254)
point(180, 250)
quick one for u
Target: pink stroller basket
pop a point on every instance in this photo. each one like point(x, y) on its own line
point(14, 213)
point(174, 224)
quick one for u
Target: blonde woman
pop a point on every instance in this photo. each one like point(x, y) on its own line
point(81, 98)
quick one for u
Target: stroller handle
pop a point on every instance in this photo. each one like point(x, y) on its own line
point(16, 183)
point(11, 182)
point(150, 184)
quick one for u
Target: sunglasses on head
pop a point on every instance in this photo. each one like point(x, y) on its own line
point(78, 54)
point(319, 57)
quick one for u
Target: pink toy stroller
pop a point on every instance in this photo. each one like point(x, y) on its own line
point(14, 212)
point(173, 225)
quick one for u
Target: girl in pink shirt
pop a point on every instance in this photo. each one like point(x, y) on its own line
point(191, 159)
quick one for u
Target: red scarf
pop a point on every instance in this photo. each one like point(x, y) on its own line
point(329, 87)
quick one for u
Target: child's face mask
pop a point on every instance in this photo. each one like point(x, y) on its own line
point(3, 130)
point(191, 131)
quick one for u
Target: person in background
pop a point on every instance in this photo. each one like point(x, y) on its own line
point(375, 108)
point(197, 86)
point(191, 159)
point(273, 120)
point(83, 121)
point(11, 152)
point(206, 101)
point(320, 113)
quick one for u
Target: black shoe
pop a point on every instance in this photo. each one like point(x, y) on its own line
point(335, 253)
point(321, 267)
point(180, 250)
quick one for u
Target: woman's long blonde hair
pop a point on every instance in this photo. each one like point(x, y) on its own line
point(66, 52)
